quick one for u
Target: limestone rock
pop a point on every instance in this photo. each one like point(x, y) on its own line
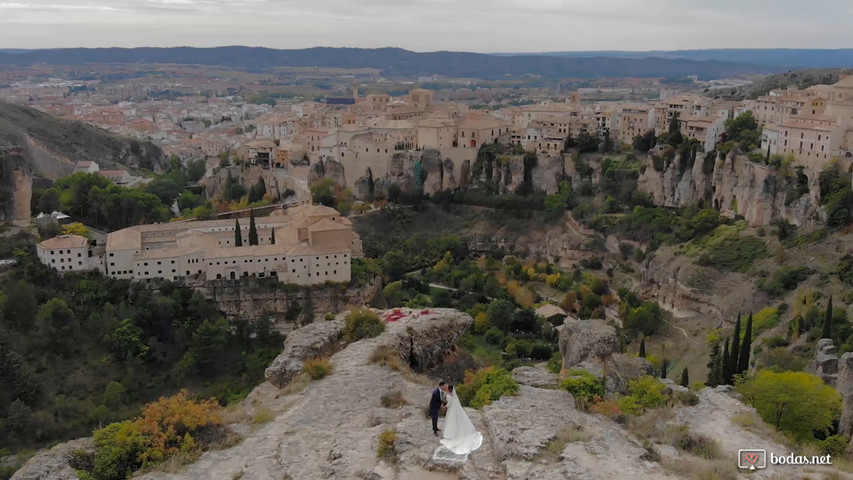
point(825, 362)
point(53, 464)
point(535, 377)
point(314, 340)
point(521, 426)
point(845, 387)
point(425, 342)
point(588, 339)
point(621, 368)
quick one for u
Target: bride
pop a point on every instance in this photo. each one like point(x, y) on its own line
point(460, 436)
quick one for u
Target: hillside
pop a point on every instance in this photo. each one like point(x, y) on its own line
point(395, 62)
point(35, 143)
point(784, 57)
point(799, 78)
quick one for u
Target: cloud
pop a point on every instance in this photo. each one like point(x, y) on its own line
point(427, 25)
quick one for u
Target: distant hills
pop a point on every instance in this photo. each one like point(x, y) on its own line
point(778, 57)
point(396, 62)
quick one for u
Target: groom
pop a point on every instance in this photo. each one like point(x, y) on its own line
point(439, 398)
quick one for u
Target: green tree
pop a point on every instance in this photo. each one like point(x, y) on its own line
point(685, 378)
point(127, 342)
point(826, 332)
point(501, 314)
point(253, 230)
point(744, 130)
point(715, 373)
point(743, 359)
point(674, 130)
point(323, 193)
point(20, 312)
point(795, 402)
point(272, 236)
point(644, 143)
point(642, 353)
point(196, 170)
point(57, 325)
point(257, 192)
point(734, 353)
point(607, 143)
point(208, 342)
point(395, 263)
point(727, 363)
point(238, 235)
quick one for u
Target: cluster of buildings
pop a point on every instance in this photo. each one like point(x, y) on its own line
point(303, 245)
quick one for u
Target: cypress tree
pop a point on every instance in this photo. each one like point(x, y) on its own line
point(238, 236)
point(272, 237)
point(253, 231)
point(743, 364)
point(643, 348)
point(663, 368)
point(685, 379)
point(734, 352)
point(714, 363)
point(726, 361)
point(827, 321)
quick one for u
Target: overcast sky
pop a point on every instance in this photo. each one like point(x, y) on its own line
point(427, 25)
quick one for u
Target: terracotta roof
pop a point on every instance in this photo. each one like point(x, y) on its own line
point(326, 225)
point(65, 241)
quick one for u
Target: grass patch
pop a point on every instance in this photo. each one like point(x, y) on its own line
point(262, 415)
point(387, 449)
point(702, 469)
point(680, 437)
point(362, 323)
point(393, 399)
point(481, 350)
point(388, 357)
point(317, 368)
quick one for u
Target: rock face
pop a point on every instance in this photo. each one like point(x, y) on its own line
point(535, 377)
point(620, 369)
point(825, 362)
point(54, 464)
point(424, 344)
point(275, 182)
point(318, 339)
point(734, 185)
point(255, 301)
point(586, 340)
point(845, 387)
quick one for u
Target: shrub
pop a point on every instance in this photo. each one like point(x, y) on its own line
point(165, 428)
point(701, 446)
point(494, 336)
point(486, 385)
point(608, 408)
point(387, 356)
point(555, 365)
point(317, 368)
point(795, 402)
point(262, 415)
point(386, 449)
point(584, 386)
point(645, 392)
point(834, 445)
point(687, 398)
point(362, 323)
point(393, 399)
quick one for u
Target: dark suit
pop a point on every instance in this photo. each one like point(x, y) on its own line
point(434, 406)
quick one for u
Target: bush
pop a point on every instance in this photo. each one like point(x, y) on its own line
point(687, 398)
point(165, 428)
point(699, 445)
point(555, 365)
point(386, 449)
point(494, 336)
point(486, 385)
point(393, 399)
point(362, 323)
point(317, 368)
point(834, 445)
point(646, 392)
point(584, 386)
point(795, 402)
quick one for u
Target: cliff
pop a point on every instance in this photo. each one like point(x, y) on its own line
point(252, 301)
point(35, 143)
point(735, 186)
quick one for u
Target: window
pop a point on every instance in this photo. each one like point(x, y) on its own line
point(79, 263)
point(79, 254)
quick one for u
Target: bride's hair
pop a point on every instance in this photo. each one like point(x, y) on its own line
point(450, 388)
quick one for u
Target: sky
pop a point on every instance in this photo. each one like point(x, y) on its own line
point(430, 25)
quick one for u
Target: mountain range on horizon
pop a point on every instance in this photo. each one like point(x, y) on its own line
point(397, 62)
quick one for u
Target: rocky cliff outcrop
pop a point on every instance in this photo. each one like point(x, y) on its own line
point(55, 463)
point(587, 340)
point(318, 339)
point(275, 182)
point(825, 362)
point(328, 169)
point(735, 186)
point(254, 301)
point(424, 344)
point(845, 387)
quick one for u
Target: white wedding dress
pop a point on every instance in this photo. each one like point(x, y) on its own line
point(459, 436)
